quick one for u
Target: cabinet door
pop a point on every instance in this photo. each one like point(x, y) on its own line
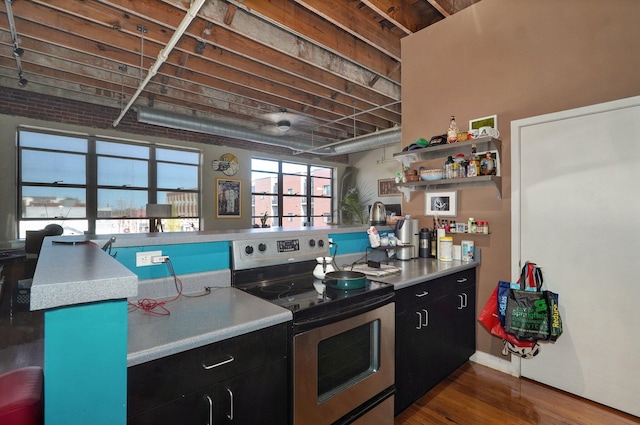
point(418, 331)
point(460, 338)
point(256, 397)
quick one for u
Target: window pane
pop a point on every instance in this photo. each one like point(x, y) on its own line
point(290, 168)
point(122, 172)
point(122, 149)
point(121, 225)
point(264, 165)
point(321, 172)
point(320, 186)
point(185, 204)
point(50, 202)
point(122, 203)
point(321, 206)
point(50, 141)
point(184, 157)
point(177, 176)
point(264, 203)
point(264, 182)
point(70, 227)
point(49, 167)
point(297, 184)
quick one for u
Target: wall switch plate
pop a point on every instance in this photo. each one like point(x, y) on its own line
point(143, 259)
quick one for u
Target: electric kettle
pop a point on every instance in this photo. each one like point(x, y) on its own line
point(378, 214)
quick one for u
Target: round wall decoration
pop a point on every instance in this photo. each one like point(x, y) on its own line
point(228, 164)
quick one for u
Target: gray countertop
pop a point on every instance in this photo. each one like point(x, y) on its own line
point(229, 312)
point(420, 270)
point(79, 273)
point(195, 322)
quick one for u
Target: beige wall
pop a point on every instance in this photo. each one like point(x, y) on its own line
point(514, 58)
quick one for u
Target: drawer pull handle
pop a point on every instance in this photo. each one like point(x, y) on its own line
point(422, 294)
point(230, 415)
point(208, 367)
point(210, 410)
point(462, 280)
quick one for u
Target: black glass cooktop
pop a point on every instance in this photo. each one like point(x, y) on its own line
point(301, 291)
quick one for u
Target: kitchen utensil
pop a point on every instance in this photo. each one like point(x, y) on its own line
point(378, 214)
point(345, 279)
point(323, 266)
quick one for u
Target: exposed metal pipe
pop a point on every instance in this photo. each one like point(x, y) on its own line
point(17, 50)
point(163, 55)
point(199, 125)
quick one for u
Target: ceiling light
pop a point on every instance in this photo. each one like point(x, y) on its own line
point(18, 51)
point(283, 125)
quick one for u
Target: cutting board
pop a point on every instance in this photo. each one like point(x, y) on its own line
point(384, 270)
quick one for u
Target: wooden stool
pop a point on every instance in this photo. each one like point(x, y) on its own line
point(21, 397)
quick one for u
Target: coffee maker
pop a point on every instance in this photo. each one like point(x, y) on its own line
point(408, 232)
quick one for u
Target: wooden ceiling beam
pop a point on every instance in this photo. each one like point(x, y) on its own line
point(400, 12)
point(149, 48)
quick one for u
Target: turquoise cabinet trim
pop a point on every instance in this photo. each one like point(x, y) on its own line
point(85, 364)
point(185, 258)
point(350, 243)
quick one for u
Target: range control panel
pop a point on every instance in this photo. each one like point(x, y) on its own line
point(248, 254)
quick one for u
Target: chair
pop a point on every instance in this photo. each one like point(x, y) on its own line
point(21, 397)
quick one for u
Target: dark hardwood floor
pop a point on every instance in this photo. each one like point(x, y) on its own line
point(478, 395)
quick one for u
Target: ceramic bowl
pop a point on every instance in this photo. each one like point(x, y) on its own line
point(429, 175)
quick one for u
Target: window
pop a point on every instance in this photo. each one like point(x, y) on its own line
point(99, 186)
point(307, 199)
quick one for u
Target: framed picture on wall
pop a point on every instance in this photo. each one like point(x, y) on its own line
point(228, 198)
point(387, 187)
point(442, 204)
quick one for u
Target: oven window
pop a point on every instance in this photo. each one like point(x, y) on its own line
point(348, 358)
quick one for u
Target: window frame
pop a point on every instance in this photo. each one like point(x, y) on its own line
point(280, 193)
point(91, 186)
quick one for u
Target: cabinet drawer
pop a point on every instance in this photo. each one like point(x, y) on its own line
point(159, 381)
point(428, 291)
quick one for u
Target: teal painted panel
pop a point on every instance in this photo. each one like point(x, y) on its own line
point(85, 364)
point(350, 243)
point(185, 258)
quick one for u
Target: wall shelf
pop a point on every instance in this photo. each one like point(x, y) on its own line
point(483, 144)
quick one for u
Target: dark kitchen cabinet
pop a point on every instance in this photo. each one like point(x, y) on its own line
point(435, 333)
point(242, 380)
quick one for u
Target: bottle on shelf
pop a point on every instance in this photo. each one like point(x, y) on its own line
point(448, 170)
point(474, 162)
point(452, 133)
point(469, 223)
point(458, 169)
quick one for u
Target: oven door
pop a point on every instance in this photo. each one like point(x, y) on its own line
point(342, 365)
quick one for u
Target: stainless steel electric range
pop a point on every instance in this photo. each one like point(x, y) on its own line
point(342, 344)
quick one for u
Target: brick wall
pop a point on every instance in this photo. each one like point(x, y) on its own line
point(19, 102)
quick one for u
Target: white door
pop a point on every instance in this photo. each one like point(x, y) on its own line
point(576, 213)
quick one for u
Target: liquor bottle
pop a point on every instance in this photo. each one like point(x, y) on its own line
point(448, 172)
point(452, 134)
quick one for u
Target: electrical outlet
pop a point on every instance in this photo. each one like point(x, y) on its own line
point(143, 259)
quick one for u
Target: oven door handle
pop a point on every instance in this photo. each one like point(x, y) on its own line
point(354, 310)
